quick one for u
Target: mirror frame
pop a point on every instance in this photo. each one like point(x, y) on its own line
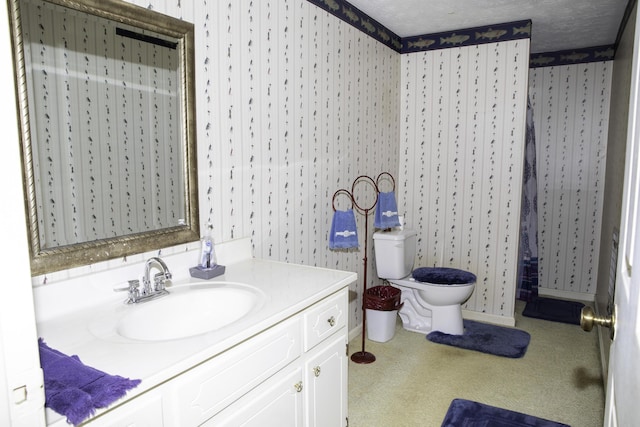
point(65, 257)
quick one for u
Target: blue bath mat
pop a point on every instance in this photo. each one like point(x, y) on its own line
point(491, 339)
point(466, 413)
point(554, 309)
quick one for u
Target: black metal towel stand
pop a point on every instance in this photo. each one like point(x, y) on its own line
point(363, 356)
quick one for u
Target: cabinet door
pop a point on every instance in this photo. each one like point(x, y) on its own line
point(205, 390)
point(326, 383)
point(277, 402)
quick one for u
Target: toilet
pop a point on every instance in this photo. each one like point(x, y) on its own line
point(431, 296)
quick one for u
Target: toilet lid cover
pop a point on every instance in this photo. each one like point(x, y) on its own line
point(443, 276)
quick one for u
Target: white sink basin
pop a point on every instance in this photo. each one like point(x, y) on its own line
point(190, 310)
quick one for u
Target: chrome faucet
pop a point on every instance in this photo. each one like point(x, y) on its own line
point(158, 279)
point(149, 291)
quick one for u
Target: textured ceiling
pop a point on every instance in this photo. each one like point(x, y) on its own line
point(556, 24)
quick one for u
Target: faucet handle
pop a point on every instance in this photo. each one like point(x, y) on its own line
point(159, 280)
point(132, 287)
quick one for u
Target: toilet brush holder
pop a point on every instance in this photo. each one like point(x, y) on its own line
point(206, 273)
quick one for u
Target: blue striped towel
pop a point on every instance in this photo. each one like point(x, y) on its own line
point(386, 215)
point(343, 234)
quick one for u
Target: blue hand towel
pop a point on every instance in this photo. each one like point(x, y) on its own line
point(75, 390)
point(386, 215)
point(344, 233)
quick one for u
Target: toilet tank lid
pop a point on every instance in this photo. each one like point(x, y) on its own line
point(394, 234)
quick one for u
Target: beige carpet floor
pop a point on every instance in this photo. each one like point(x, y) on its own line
point(413, 381)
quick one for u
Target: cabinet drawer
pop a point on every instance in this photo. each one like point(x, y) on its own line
point(325, 318)
point(207, 389)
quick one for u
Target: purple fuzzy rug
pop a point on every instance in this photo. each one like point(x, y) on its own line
point(485, 338)
point(554, 310)
point(466, 413)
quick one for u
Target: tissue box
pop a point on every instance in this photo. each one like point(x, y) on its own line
point(206, 273)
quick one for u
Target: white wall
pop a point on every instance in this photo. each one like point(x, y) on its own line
point(461, 151)
point(571, 118)
point(21, 392)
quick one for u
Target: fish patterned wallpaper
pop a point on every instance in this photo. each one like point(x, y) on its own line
point(497, 32)
point(468, 37)
point(574, 56)
point(461, 147)
point(292, 104)
point(571, 117)
point(353, 16)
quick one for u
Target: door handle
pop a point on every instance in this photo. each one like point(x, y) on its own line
point(588, 319)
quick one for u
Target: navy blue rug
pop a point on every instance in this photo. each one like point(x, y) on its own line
point(554, 310)
point(491, 339)
point(466, 413)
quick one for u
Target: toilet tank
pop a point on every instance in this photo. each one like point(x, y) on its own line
point(395, 252)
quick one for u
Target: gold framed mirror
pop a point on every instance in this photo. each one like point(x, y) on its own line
point(106, 98)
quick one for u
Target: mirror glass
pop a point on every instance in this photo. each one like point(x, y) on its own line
point(106, 93)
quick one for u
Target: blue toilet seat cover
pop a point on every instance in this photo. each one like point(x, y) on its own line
point(443, 276)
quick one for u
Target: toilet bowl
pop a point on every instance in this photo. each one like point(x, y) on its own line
point(431, 297)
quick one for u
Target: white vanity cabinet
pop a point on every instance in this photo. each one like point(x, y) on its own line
point(276, 402)
point(200, 393)
point(312, 390)
point(283, 364)
point(326, 383)
point(144, 410)
point(325, 363)
point(292, 374)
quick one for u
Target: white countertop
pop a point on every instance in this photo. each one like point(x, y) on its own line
point(88, 333)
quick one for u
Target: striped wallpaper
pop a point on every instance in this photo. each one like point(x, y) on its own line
point(293, 104)
point(571, 116)
point(461, 151)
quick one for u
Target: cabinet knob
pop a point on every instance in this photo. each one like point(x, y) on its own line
point(298, 386)
point(331, 320)
point(316, 371)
